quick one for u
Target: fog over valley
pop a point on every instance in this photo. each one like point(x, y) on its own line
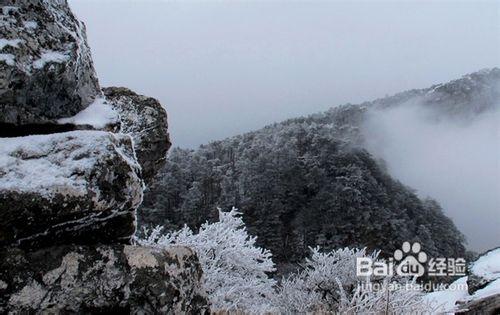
point(456, 162)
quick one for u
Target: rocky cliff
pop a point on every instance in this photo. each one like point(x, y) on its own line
point(68, 185)
point(73, 166)
point(146, 121)
point(45, 62)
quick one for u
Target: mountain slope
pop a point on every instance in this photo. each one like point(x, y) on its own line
point(309, 181)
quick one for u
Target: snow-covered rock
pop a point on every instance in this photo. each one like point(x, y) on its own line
point(476, 293)
point(71, 181)
point(105, 279)
point(482, 301)
point(484, 270)
point(46, 69)
point(79, 186)
point(483, 282)
point(445, 300)
point(100, 115)
point(456, 299)
point(145, 120)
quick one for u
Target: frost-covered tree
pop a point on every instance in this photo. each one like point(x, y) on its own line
point(237, 277)
point(328, 283)
point(235, 270)
point(299, 184)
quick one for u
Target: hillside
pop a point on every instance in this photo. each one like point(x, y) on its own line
point(309, 181)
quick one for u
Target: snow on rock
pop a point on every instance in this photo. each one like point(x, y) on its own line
point(488, 265)
point(68, 189)
point(99, 115)
point(107, 279)
point(492, 288)
point(9, 42)
point(445, 300)
point(483, 301)
point(484, 270)
point(46, 70)
point(81, 186)
point(50, 56)
point(145, 120)
point(9, 59)
point(479, 292)
point(30, 24)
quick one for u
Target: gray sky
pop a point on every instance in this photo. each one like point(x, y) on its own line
point(221, 68)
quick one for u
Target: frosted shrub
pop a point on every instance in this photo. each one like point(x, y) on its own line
point(234, 268)
point(236, 276)
point(328, 283)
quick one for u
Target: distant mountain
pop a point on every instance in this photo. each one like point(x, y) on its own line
point(463, 98)
point(309, 181)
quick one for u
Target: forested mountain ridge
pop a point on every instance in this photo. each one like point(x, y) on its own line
point(309, 181)
point(463, 98)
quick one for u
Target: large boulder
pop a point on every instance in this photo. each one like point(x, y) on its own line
point(75, 187)
point(46, 70)
point(145, 120)
point(107, 279)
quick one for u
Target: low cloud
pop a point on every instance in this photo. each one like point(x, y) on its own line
point(455, 161)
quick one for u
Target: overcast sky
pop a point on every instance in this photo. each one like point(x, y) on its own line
point(221, 68)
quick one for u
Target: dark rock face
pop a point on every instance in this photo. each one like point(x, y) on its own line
point(80, 186)
point(101, 279)
point(475, 282)
point(145, 120)
point(46, 70)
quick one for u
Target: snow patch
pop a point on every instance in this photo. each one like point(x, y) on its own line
point(488, 265)
point(6, 10)
point(446, 300)
point(492, 288)
point(50, 56)
point(10, 42)
point(9, 59)
point(51, 164)
point(30, 24)
point(99, 114)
